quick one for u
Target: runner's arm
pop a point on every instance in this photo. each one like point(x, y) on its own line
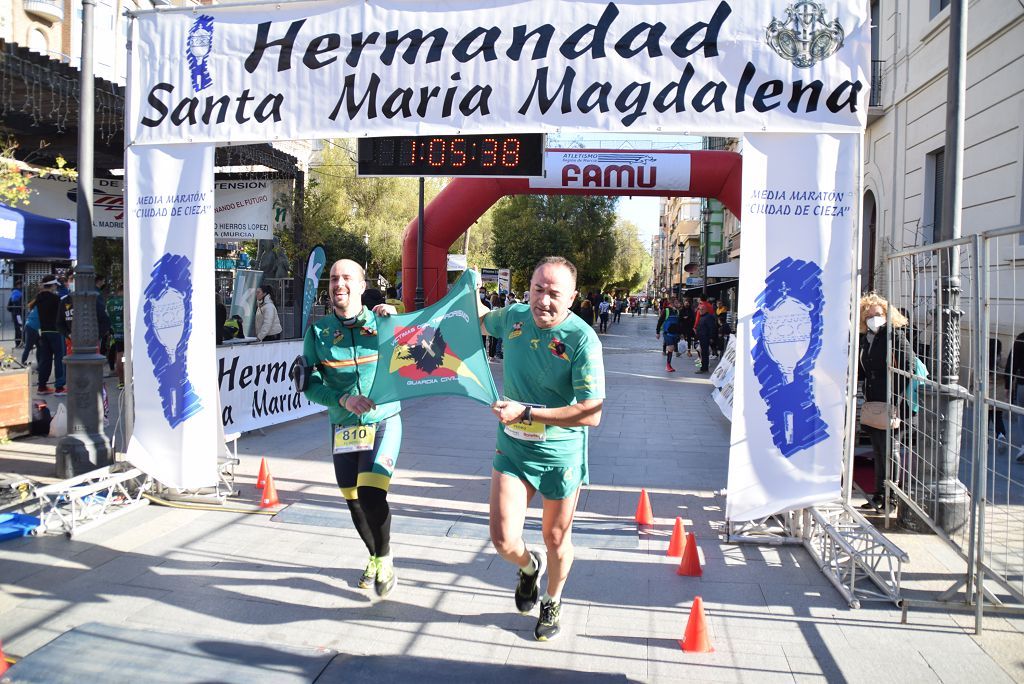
point(582, 413)
point(317, 390)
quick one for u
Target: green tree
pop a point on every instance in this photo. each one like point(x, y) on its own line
point(632, 263)
point(341, 208)
point(530, 227)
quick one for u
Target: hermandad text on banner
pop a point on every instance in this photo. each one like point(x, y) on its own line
point(480, 67)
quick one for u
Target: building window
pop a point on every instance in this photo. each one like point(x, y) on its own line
point(934, 173)
point(936, 6)
point(37, 41)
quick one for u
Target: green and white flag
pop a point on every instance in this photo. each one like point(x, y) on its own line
point(437, 350)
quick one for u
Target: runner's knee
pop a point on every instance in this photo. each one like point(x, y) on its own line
point(558, 539)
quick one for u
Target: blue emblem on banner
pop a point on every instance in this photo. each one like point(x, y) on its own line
point(167, 315)
point(787, 339)
point(197, 51)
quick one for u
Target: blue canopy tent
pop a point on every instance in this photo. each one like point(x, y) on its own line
point(24, 235)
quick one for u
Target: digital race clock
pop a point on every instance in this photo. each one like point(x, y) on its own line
point(453, 155)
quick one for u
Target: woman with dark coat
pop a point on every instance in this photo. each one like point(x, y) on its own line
point(873, 372)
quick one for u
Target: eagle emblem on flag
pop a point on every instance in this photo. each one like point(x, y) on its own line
point(422, 352)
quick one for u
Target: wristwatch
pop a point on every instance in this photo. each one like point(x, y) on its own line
point(528, 415)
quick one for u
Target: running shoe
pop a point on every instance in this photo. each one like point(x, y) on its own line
point(385, 580)
point(670, 369)
point(369, 574)
point(60, 392)
point(44, 390)
point(548, 623)
point(526, 587)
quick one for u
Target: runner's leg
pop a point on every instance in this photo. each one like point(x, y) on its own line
point(345, 471)
point(509, 499)
point(556, 526)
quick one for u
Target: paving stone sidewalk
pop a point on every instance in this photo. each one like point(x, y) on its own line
point(772, 615)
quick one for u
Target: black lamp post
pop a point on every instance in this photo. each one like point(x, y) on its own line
point(706, 239)
point(86, 446)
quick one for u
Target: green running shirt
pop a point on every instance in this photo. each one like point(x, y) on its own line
point(551, 367)
point(344, 360)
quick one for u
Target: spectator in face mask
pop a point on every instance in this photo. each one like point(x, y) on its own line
point(873, 372)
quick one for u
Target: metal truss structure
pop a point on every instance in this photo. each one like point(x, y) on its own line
point(855, 556)
point(78, 504)
point(859, 561)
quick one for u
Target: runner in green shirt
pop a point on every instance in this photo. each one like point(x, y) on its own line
point(341, 348)
point(554, 390)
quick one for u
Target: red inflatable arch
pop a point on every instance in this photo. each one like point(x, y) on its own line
point(712, 174)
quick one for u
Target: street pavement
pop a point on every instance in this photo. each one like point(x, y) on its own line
point(228, 577)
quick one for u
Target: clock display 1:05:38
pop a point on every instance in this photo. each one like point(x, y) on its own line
point(498, 155)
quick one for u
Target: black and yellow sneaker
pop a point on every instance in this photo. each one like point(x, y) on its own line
point(526, 587)
point(385, 579)
point(547, 624)
point(369, 574)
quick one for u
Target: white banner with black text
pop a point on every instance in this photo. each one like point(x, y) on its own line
point(255, 390)
point(800, 209)
point(349, 68)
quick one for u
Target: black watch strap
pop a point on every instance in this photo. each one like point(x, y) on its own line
point(528, 415)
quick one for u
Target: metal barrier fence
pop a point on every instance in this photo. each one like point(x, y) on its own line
point(954, 464)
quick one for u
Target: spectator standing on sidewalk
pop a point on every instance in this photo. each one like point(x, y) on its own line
point(15, 307)
point(51, 338)
point(268, 324)
point(604, 308)
point(542, 436)
point(873, 372)
point(1013, 378)
point(31, 339)
point(341, 350)
point(707, 335)
point(587, 312)
point(686, 320)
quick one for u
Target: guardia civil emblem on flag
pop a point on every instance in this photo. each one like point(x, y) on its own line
point(437, 350)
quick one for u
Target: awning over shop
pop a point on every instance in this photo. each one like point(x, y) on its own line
point(24, 235)
point(714, 289)
point(726, 269)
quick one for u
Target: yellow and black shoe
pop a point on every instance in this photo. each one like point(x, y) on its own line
point(369, 574)
point(386, 579)
point(548, 623)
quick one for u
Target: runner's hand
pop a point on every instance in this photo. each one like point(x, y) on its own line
point(385, 310)
point(508, 412)
point(657, 336)
point(358, 404)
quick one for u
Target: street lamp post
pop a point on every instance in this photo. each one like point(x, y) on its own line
point(86, 446)
point(706, 239)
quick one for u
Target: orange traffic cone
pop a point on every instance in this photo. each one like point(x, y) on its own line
point(261, 479)
point(269, 499)
point(4, 665)
point(689, 566)
point(695, 639)
point(675, 545)
point(644, 514)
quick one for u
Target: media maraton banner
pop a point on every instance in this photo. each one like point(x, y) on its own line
point(433, 351)
point(169, 232)
point(800, 217)
point(243, 209)
point(300, 70)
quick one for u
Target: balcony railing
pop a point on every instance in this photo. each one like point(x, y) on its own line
point(876, 82)
point(50, 10)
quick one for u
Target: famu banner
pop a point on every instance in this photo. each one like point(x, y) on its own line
point(800, 213)
point(299, 70)
point(436, 350)
point(176, 434)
